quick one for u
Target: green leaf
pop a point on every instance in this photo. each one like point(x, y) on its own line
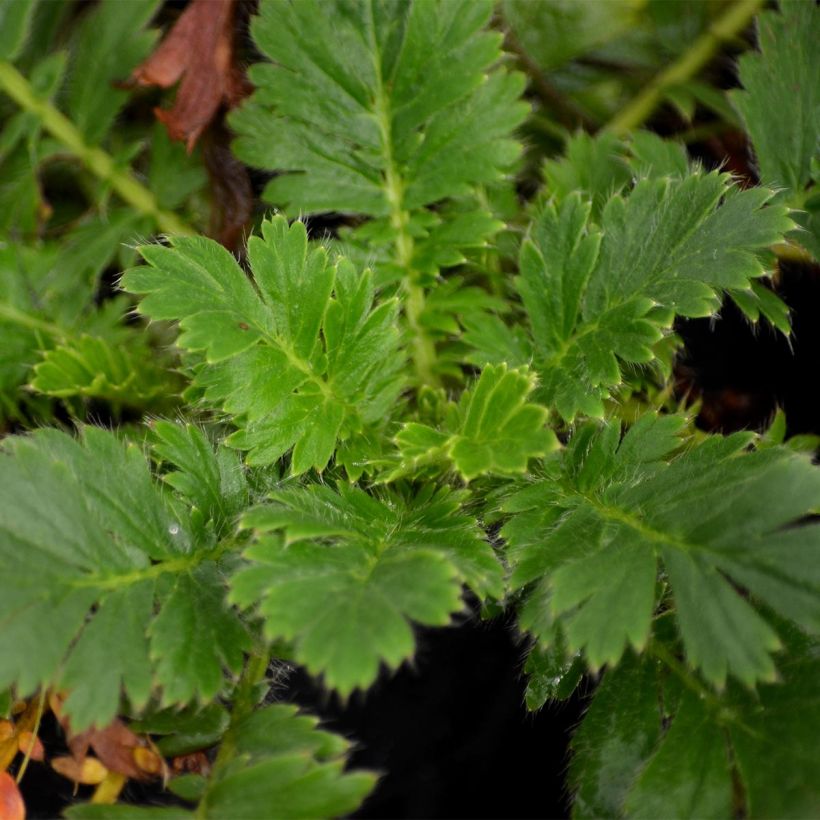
point(352, 571)
point(783, 77)
point(590, 534)
point(593, 167)
point(653, 743)
point(689, 775)
point(493, 430)
point(774, 734)
point(107, 45)
point(284, 765)
point(108, 583)
point(15, 19)
point(552, 674)
point(300, 356)
point(617, 735)
point(185, 731)
point(404, 89)
point(596, 298)
point(91, 368)
point(213, 481)
point(557, 31)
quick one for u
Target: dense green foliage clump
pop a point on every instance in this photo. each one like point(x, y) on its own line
point(215, 462)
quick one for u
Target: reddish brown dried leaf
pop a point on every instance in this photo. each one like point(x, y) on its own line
point(192, 763)
point(11, 801)
point(199, 50)
point(27, 741)
point(114, 745)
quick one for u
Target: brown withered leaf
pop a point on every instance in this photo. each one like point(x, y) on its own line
point(31, 745)
point(11, 732)
point(114, 744)
point(192, 763)
point(11, 801)
point(199, 49)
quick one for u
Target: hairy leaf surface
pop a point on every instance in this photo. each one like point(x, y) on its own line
point(301, 356)
point(351, 571)
point(372, 101)
point(591, 533)
point(111, 588)
point(494, 430)
point(599, 296)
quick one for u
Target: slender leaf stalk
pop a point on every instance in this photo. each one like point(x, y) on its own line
point(733, 21)
point(95, 159)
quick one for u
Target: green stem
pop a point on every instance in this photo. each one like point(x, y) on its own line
point(245, 699)
point(9, 313)
point(682, 673)
point(727, 26)
point(185, 563)
point(423, 348)
point(99, 162)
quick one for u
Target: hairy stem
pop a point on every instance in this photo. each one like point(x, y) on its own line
point(245, 699)
point(727, 26)
point(99, 162)
point(423, 349)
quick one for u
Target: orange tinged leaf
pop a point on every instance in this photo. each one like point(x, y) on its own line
point(149, 761)
point(26, 741)
point(88, 771)
point(11, 801)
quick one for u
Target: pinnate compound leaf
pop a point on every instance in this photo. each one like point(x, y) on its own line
point(96, 554)
point(494, 430)
point(342, 574)
point(404, 88)
point(300, 356)
point(92, 368)
point(598, 297)
point(589, 537)
point(783, 76)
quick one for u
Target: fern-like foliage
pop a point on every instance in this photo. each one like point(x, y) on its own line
point(596, 295)
point(90, 367)
point(403, 89)
point(113, 588)
point(493, 430)
point(342, 574)
point(785, 77)
point(587, 540)
point(301, 356)
point(411, 112)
